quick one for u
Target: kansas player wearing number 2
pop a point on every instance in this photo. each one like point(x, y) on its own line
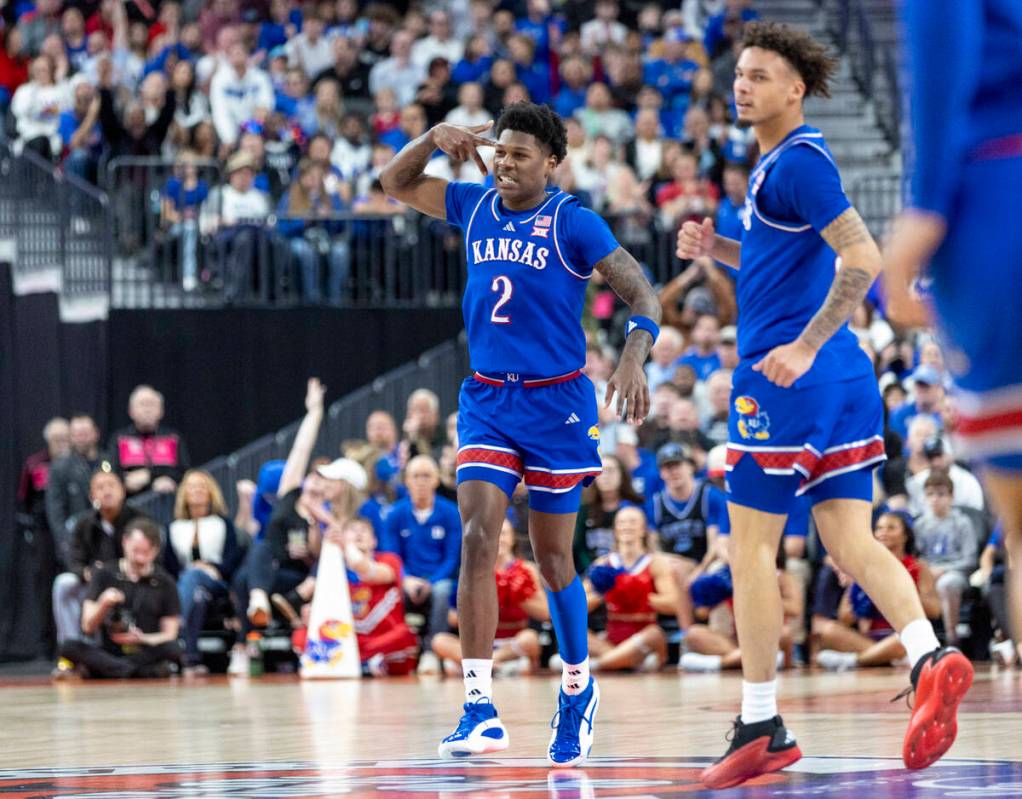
point(807, 416)
point(528, 412)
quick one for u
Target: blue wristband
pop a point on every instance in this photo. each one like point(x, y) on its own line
point(642, 323)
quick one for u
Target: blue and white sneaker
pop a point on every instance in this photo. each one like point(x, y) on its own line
point(572, 738)
point(478, 732)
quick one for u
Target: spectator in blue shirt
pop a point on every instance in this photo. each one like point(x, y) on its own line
point(80, 133)
point(575, 78)
point(726, 27)
point(533, 74)
point(731, 212)
point(929, 399)
point(673, 74)
point(284, 22)
point(702, 355)
point(425, 531)
point(183, 197)
point(474, 67)
point(294, 100)
point(540, 26)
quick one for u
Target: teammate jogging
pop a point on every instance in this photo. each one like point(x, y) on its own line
point(965, 67)
point(528, 412)
point(806, 414)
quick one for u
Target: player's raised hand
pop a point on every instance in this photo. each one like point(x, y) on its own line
point(783, 365)
point(695, 240)
point(314, 392)
point(914, 240)
point(461, 142)
point(629, 384)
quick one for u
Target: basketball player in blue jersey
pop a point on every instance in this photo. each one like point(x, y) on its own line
point(528, 412)
point(806, 417)
point(961, 226)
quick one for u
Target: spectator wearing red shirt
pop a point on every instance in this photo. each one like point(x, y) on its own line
point(688, 196)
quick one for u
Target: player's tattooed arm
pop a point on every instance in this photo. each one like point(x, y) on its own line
point(861, 262)
point(623, 274)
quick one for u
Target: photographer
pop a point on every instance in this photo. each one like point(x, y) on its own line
point(133, 605)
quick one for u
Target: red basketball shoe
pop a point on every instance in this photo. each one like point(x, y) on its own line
point(756, 749)
point(940, 681)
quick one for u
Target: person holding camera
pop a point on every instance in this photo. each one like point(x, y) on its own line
point(133, 606)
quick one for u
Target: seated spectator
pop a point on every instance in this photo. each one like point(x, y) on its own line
point(36, 107)
point(72, 31)
point(202, 553)
point(243, 210)
point(726, 27)
point(386, 645)
point(469, 111)
point(501, 78)
point(95, 539)
point(727, 348)
point(475, 65)
point(181, 207)
point(576, 75)
point(239, 92)
point(67, 492)
point(440, 43)
point(13, 66)
point(533, 74)
point(351, 152)
point(702, 353)
point(663, 357)
point(399, 73)
point(641, 463)
point(350, 72)
point(730, 219)
point(131, 134)
point(896, 473)
point(80, 134)
point(989, 578)
point(645, 153)
point(635, 584)
point(605, 29)
point(656, 430)
point(304, 221)
point(687, 196)
point(437, 95)
point(594, 528)
point(36, 25)
point(697, 140)
point(712, 650)
point(718, 394)
point(423, 432)
point(133, 605)
point(968, 491)
point(516, 646)
point(598, 116)
point(324, 117)
point(672, 74)
point(928, 391)
point(684, 519)
point(947, 542)
point(861, 636)
point(310, 50)
point(425, 531)
point(292, 98)
point(148, 455)
point(683, 428)
point(35, 473)
point(411, 125)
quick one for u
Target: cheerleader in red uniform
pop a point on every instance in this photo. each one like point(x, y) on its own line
point(386, 645)
point(516, 647)
point(860, 636)
point(635, 584)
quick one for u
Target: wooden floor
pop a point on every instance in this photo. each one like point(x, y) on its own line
point(278, 736)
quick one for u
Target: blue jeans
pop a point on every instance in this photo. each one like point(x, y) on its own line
point(188, 233)
point(196, 590)
point(309, 265)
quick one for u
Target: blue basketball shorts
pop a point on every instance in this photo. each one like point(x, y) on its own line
point(820, 441)
point(976, 284)
point(542, 430)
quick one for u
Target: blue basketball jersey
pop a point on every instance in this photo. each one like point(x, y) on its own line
point(527, 277)
point(786, 267)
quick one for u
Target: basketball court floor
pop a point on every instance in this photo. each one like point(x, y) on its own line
point(280, 737)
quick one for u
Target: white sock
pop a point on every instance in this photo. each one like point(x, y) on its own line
point(575, 677)
point(918, 639)
point(759, 701)
point(478, 676)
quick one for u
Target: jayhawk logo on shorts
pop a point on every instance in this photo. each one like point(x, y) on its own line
point(594, 433)
point(752, 422)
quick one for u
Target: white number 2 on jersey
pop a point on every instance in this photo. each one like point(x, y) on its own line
point(501, 283)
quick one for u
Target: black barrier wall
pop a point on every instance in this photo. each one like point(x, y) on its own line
point(228, 377)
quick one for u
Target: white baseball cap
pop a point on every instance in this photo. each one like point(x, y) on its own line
point(347, 470)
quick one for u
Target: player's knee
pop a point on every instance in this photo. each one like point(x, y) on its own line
point(557, 569)
point(476, 543)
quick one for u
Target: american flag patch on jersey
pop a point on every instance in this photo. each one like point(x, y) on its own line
point(541, 227)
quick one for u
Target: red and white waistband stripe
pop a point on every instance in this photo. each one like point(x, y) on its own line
point(530, 383)
point(988, 423)
point(557, 481)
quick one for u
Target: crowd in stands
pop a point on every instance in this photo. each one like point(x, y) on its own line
point(278, 116)
point(651, 538)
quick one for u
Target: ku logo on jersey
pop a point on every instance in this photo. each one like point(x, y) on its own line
point(752, 422)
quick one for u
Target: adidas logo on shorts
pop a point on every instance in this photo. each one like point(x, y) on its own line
point(572, 419)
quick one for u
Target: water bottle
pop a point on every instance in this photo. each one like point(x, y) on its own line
point(255, 654)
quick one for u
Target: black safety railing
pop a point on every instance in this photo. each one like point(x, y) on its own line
point(57, 222)
point(854, 27)
point(440, 369)
point(878, 198)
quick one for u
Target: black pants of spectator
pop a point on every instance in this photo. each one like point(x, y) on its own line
point(41, 147)
point(261, 571)
point(997, 596)
point(148, 661)
point(243, 254)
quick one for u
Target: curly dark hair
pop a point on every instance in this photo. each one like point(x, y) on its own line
point(540, 121)
point(810, 59)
